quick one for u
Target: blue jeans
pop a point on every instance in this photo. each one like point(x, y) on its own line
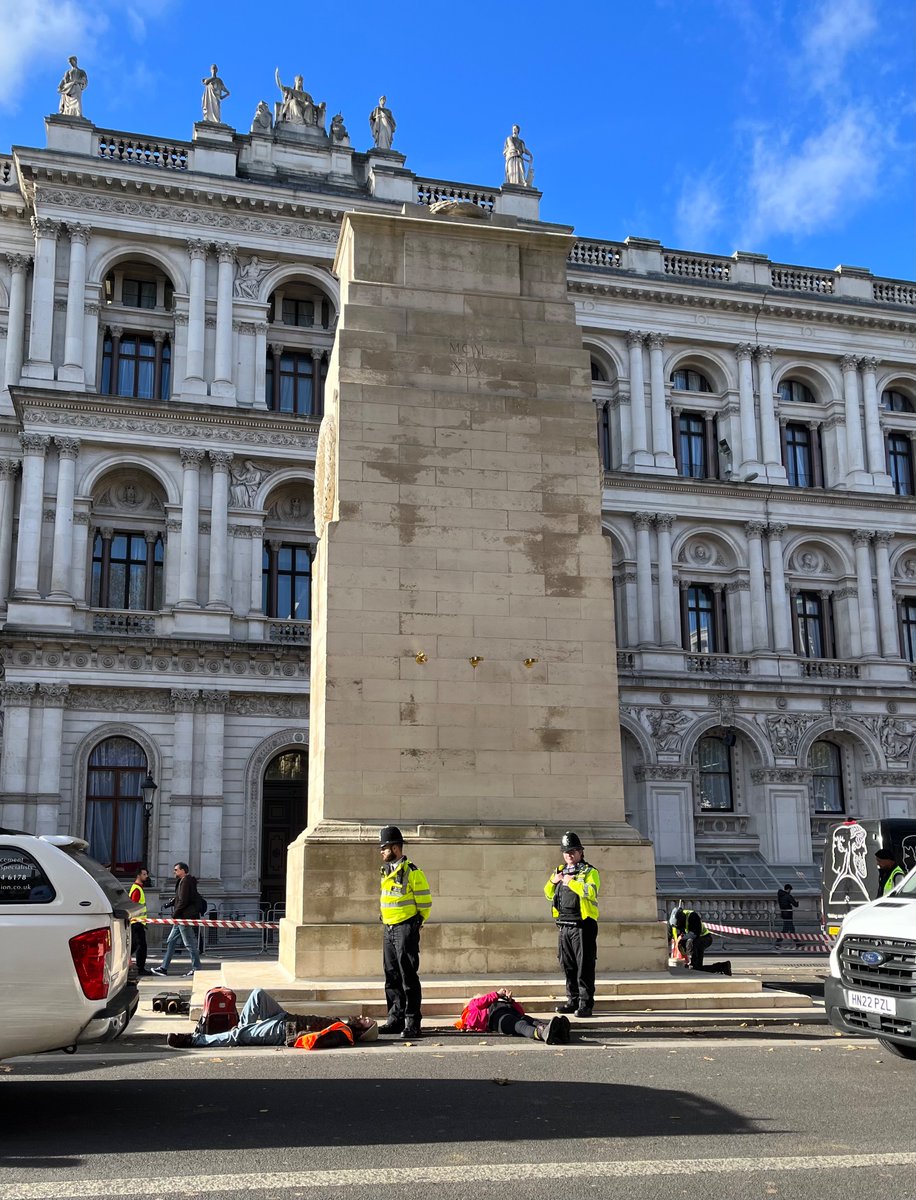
point(187, 934)
point(262, 1022)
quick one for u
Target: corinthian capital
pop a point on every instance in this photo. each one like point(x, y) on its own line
point(197, 248)
point(869, 363)
point(67, 447)
point(755, 529)
point(656, 341)
point(634, 337)
point(43, 227)
point(18, 263)
point(226, 253)
point(79, 233)
point(642, 520)
point(765, 353)
point(744, 351)
point(849, 362)
point(221, 460)
point(191, 457)
point(861, 537)
point(34, 443)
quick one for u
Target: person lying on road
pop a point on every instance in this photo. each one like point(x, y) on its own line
point(262, 1022)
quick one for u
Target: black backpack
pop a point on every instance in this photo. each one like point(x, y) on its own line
point(201, 905)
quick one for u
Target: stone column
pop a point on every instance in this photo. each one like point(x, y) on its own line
point(172, 560)
point(779, 600)
point(182, 701)
point(190, 527)
point(51, 700)
point(738, 605)
point(887, 617)
point(746, 418)
point(194, 368)
point(257, 568)
point(62, 560)
point(854, 460)
point(219, 530)
point(644, 601)
point(19, 266)
point(760, 638)
point(874, 439)
point(640, 452)
point(211, 823)
point(31, 504)
point(769, 426)
point(80, 556)
point(661, 422)
point(8, 469)
point(14, 763)
point(41, 327)
point(861, 539)
point(260, 365)
point(667, 605)
point(222, 374)
point(72, 370)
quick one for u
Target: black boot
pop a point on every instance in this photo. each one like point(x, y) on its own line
point(569, 1007)
point(392, 1025)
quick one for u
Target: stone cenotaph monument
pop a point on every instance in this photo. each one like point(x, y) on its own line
point(463, 681)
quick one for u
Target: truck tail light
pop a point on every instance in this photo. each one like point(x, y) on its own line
point(91, 952)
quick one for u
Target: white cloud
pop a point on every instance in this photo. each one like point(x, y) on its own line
point(832, 173)
point(37, 33)
point(699, 212)
point(839, 28)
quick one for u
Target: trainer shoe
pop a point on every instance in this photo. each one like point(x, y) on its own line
point(158, 971)
point(552, 1033)
point(180, 1041)
point(568, 1007)
point(188, 974)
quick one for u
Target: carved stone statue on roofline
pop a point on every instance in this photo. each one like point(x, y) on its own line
point(517, 154)
point(262, 122)
point(297, 107)
point(71, 88)
point(215, 92)
point(382, 124)
point(339, 133)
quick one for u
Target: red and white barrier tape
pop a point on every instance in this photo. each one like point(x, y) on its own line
point(214, 924)
point(771, 935)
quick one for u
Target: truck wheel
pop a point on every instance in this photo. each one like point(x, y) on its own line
point(897, 1048)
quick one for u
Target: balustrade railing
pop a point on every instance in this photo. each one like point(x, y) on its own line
point(124, 623)
point(116, 147)
point(626, 660)
point(596, 254)
point(717, 664)
point(431, 191)
point(894, 293)
point(787, 279)
point(693, 267)
point(829, 668)
point(290, 633)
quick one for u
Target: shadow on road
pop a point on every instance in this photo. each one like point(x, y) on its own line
point(188, 1114)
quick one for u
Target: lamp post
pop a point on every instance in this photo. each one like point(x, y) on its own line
point(148, 789)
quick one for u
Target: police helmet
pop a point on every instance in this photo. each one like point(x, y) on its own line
point(570, 841)
point(390, 835)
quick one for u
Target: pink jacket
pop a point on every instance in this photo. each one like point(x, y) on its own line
point(476, 1015)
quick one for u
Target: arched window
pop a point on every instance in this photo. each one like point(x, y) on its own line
point(895, 401)
point(793, 391)
point(827, 778)
point(714, 760)
point(690, 381)
point(115, 817)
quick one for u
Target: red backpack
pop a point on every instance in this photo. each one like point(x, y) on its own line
point(219, 1013)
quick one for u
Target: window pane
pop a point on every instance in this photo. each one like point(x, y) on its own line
point(146, 374)
point(117, 585)
point(130, 293)
point(301, 611)
point(284, 596)
point(125, 375)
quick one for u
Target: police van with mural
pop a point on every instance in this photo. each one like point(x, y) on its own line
point(869, 898)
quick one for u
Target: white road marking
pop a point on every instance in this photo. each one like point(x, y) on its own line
point(404, 1177)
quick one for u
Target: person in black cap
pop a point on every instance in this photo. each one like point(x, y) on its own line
point(890, 871)
point(405, 906)
point(572, 890)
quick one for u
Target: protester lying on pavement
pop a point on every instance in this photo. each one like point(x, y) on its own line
point(497, 1012)
point(262, 1022)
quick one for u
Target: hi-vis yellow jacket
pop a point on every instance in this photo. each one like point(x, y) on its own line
point(586, 886)
point(405, 892)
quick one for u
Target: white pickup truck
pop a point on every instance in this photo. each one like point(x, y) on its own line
point(871, 988)
point(64, 946)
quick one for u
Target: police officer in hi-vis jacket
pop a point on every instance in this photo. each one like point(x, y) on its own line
point(572, 890)
point(405, 904)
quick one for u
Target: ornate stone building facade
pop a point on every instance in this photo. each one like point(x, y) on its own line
point(168, 311)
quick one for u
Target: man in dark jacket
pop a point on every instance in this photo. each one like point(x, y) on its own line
point(786, 902)
point(185, 906)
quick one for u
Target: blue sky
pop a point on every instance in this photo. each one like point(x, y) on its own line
point(784, 127)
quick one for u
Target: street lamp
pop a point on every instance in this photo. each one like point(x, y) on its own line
point(148, 791)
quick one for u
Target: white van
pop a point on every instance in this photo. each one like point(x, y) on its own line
point(871, 988)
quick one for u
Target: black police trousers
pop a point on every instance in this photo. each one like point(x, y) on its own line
point(138, 944)
point(578, 953)
point(401, 962)
point(693, 946)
